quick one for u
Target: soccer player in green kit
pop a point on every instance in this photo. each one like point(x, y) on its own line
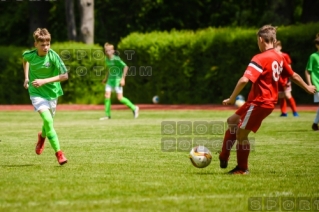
point(312, 77)
point(115, 80)
point(43, 71)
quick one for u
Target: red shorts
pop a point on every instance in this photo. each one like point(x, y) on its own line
point(284, 84)
point(282, 88)
point(251, 116)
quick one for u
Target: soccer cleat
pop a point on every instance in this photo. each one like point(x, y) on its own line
point(135, 112)
point(60, 156)
point(283, 115)
point(105, 118)
point(40, 145)
point(237, 170)
point(295, 114)
point(223, 163)
point(315, 127)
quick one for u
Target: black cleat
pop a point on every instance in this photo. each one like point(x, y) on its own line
point(237, 170)
point(315, 127)
point(223, 163)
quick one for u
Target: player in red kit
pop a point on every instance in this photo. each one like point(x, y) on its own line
point(263, 72)
point(284, 88)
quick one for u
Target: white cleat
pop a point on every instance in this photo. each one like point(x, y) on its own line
point(135, 112)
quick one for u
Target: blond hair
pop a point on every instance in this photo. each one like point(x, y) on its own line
point(268, 33)
point(107, 45)
point(41, 35)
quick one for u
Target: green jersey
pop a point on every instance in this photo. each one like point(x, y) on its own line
point(313, 68)
point(43, 67)
point(115, 68)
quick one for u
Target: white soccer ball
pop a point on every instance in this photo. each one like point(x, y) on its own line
point(200, 156)
point(239, 102)
point(155, 99)
point(240, 97)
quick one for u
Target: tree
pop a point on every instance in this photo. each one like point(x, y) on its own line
point(87, 20)
point(70, 20)
point(310, 11)
point(38, 11)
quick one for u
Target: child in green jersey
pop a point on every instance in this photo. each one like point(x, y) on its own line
point(312, 77)
point(43, 71)
point(115, 80)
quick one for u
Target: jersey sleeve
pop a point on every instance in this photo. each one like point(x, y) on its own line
point(286, 69)
point(287, 58)
point(253, 70)
point(120, 63)
point(59, 64)
point(27, 56)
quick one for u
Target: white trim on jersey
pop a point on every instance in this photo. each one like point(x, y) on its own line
point(255, 67)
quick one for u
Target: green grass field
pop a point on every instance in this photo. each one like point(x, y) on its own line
point(119, 165)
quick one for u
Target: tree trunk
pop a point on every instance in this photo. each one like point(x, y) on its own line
point(39, 11)
point(70, 19)
point(310, 11)
point(87, 21)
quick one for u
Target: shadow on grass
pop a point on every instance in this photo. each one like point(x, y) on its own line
point(204, 173)
point(286, 131)
point(19, 165)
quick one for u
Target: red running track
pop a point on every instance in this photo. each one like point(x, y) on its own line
point(145, 107)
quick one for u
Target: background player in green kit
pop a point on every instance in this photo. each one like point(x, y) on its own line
point(312, 77)
point(115, 80)
point(43, 71)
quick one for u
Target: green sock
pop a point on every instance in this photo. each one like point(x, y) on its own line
point(50, 132)
point(107, 107)
point(128, 103)
point(43, 134)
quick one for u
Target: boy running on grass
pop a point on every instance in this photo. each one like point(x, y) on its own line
point(43, 72)
point(284, 87)
point(115, 80)
point(263, 72)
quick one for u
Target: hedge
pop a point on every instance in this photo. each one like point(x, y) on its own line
point(204, 66)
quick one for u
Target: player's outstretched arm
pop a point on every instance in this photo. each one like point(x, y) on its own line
point(239, 87)
point(296, 78)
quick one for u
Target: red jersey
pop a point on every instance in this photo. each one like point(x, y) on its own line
point(264, 71)
point(283, 81)
point(286, 56)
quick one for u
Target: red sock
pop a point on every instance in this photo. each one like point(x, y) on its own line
point(283, 105)
point(228, 143)
point(292, 104)
point(242, 156)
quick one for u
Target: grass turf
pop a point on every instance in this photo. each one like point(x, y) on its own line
point(119, 165)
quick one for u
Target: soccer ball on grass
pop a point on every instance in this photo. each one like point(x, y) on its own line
point(200, 156)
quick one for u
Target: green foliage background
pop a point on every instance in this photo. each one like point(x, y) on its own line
point(203, 66)
point(182, 67)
